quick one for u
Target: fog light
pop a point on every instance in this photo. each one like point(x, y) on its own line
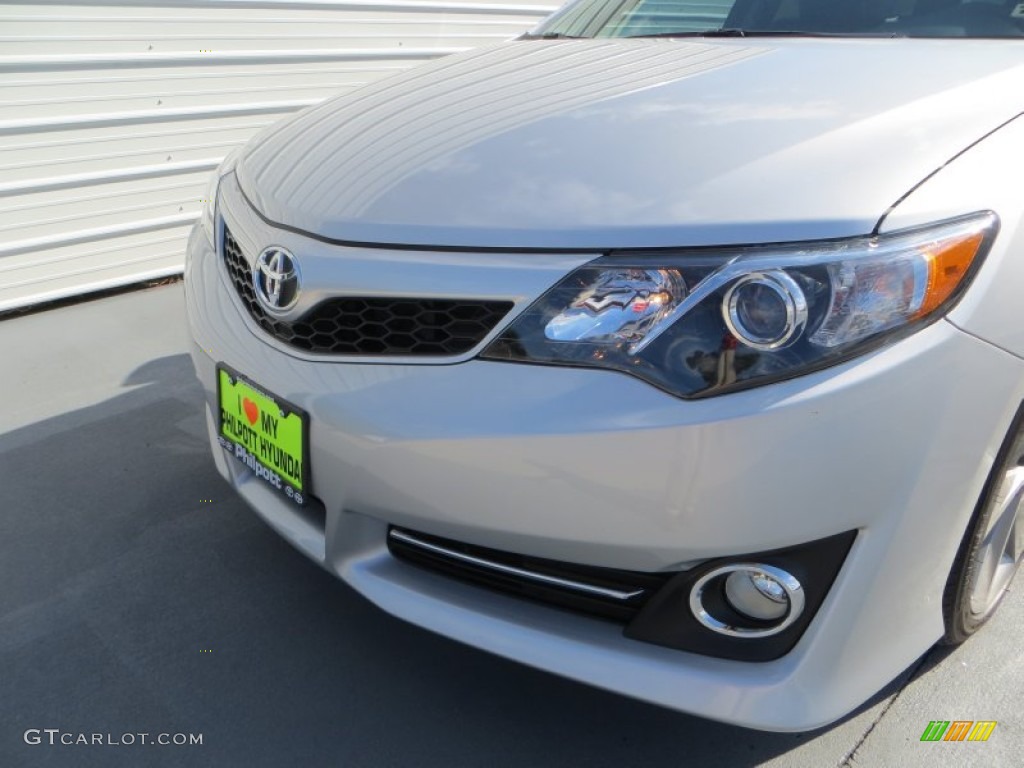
point(765, 310)
point(756, 594)
point(747, 600)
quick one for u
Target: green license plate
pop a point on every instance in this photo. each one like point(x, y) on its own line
point(267, 434)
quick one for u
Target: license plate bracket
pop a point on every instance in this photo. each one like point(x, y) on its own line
point(264, 432)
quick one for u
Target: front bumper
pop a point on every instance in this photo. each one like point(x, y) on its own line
point(598, 468)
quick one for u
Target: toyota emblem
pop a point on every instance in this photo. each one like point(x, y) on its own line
point(275, 277)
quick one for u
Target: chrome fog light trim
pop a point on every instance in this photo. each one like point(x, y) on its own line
point(793, 595)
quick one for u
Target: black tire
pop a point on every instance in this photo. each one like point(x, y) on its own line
point(960, 620)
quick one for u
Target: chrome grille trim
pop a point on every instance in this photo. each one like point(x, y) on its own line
point(509, 570)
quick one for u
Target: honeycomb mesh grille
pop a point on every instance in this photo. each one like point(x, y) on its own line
point(370, 325)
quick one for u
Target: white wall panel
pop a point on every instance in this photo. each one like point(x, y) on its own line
point(113, 114)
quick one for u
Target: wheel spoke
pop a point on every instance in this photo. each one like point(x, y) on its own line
point(1015, 544)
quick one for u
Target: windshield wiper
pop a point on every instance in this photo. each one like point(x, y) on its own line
point(737, 32)
point(551, 36)
point(718, 32)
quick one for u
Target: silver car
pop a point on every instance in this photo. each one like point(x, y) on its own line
point(675, 348)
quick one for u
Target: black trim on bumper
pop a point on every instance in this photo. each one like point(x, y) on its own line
point(608, 593)
point(667, 620)
point(654, 607)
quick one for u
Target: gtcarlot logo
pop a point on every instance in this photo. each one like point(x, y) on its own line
point(57, 737)
point(959, 730)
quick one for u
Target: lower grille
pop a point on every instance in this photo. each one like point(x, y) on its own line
point(371, 325)
point(604, 592)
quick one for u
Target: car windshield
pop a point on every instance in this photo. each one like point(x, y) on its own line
point(740, 18)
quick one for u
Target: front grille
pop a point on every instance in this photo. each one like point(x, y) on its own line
point(370, 325)
point(608, 593)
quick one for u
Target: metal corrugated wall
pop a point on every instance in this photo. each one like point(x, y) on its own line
point(112, 114)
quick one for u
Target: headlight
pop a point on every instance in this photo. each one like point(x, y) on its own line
point(717, 320)
point(208, 216)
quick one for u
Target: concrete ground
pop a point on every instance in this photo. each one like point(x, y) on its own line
point(138, 595)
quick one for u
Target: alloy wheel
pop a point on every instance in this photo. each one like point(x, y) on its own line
point(1002, 544)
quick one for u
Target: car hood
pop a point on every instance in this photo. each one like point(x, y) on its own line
point(603, 144)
